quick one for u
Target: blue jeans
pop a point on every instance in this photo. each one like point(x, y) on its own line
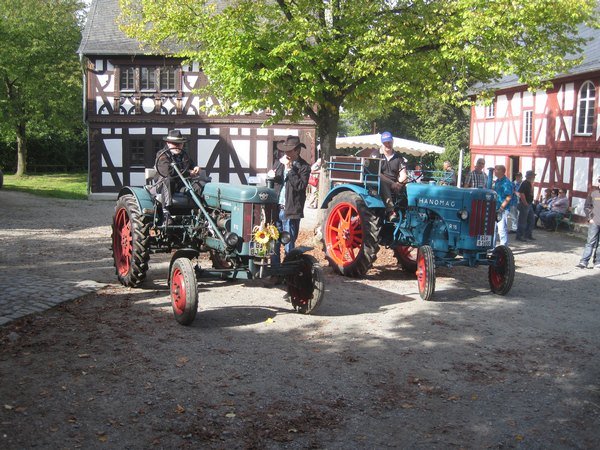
point(526, 219)
point(292, 226)
point(503, 228)
point(591, 245)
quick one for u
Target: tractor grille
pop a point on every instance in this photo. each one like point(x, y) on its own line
point(483, 216)
point(252, 217)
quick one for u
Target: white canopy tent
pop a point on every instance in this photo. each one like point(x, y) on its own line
point(374, 141)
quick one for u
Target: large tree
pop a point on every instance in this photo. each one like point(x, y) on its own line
point(311, 57)
point(40, 76)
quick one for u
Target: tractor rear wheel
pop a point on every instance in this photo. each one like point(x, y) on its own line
point(407, 257)
point(501, 273)
point(426, 272)
point(306, 286)
point(130, 242)
point(184, 291)
point(350, 235)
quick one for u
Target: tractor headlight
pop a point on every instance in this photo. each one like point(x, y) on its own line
point(232, 239)
point(463, 214)
point(285, 237)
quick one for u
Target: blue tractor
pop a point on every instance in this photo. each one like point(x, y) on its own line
point(234, 225)
point(437, 225)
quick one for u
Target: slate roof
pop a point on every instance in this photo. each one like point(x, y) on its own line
point(102, 36)
point(590, 63)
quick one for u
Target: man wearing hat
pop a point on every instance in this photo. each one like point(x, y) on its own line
point(166, 180)
point(525, 207)
point(592, 213)
point(393, 173)
point(290, 175)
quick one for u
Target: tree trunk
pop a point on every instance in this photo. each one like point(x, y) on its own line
point(21, 150)
point(327, 128)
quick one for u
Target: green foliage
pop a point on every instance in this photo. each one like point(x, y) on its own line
point(310, 57)
point(58, 185)
point(40, 75)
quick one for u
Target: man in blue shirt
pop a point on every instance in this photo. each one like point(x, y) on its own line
point(504, 188)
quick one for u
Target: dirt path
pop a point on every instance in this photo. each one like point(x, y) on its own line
point(377, 367)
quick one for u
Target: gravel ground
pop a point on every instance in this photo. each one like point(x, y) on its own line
point(376, 367)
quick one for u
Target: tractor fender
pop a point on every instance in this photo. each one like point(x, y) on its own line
point(188, 253)
point(371, 201)
point(142, 197)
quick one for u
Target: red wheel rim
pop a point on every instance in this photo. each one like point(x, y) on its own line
point(421, 273)
point(343, 234)
point(122, 242)
point(178, 291)
point(497, 276)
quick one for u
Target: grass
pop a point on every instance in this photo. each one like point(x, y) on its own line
point(58, 185)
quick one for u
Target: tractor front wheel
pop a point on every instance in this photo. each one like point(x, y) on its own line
point(501, 273)
point(130, 242)
point(184, 291)
point(426, 272)
point(306, 286)
point(350, 235)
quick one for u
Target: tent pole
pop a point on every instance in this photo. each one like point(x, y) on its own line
point(460, 168)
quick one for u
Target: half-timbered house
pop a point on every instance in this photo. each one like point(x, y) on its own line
point(132, 99)
point(555, 132)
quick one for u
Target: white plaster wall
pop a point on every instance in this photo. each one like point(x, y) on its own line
point(580, 177)
point(516, 104)
point(285, 132)
point(115, 151)
point(262, 131)
point(526, 164)
point(540, 136)
point(541, 98)
point(242, 148)
point(501, 106)
point(578, 206)
point(527, 99)
point(489, 133)
point(539, 167)
point(205, 149)
point(569, 96)
point(262, 154)
point(108, 181)
point(567, 169)
point(137, 178)
point(137, 131)
point(479, 111)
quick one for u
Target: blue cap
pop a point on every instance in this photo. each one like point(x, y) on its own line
point(386, 136)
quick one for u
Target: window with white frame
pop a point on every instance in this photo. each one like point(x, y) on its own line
point(148, 79)
point(585, 108)
point(527, 126)
point(490, 110)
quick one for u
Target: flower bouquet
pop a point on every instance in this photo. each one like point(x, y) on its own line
point(263, 240)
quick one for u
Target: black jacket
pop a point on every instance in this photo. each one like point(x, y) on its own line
point(295, 182)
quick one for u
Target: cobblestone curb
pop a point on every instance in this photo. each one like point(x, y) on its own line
point(20, 297)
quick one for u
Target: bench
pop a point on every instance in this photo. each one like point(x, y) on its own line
point(566, 218)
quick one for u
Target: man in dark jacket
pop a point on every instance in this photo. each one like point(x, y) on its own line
point(290, 175)
point(166, 181)
point(525, 207)
point(592, 212)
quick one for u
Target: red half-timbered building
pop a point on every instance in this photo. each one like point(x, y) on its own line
point(132, 99)
point(555, 132)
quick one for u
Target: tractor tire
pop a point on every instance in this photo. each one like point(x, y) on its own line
point(130, 235)
point(501, 273)
point(407, 257)
point(426, 272)
point(184, 291)
point(350, 233)
point(306, 287)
